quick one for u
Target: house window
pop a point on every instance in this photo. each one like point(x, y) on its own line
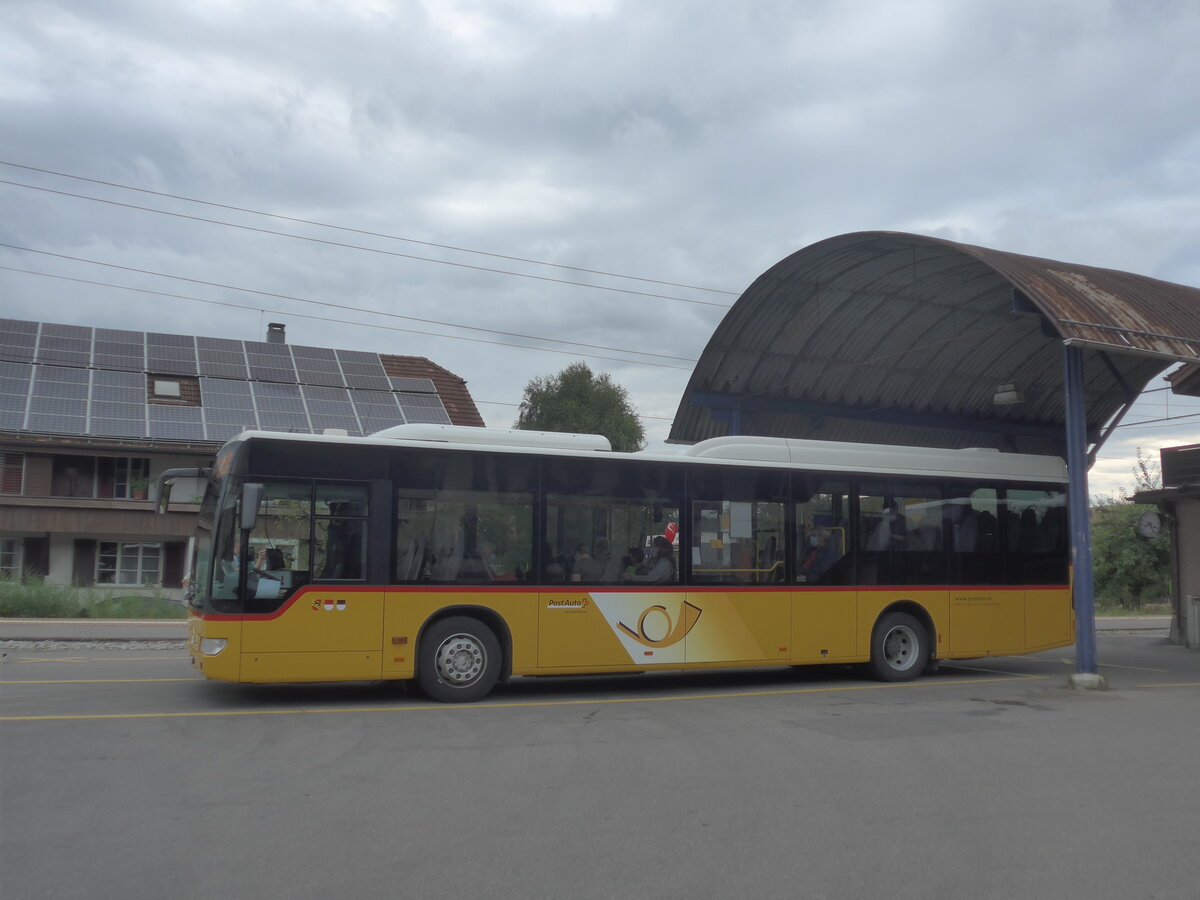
point(10, 557)
point(12, 473)
point(131, 475)
point(103, 477)
point(73, 476)
point(128, 563)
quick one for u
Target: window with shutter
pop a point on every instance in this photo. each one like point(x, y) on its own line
point(12, 473)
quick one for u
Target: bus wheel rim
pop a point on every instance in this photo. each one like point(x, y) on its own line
point(900, 647)
point(461, 659)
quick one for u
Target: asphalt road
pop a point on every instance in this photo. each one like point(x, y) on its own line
point(126, 776)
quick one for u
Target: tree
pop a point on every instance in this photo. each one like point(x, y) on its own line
point(577, 401)
point(1129, 568)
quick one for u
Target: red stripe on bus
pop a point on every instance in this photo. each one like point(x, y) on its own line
point(609, 589)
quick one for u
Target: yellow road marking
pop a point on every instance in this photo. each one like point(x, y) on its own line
point(1133, 668)
point(36, 659)
point(1180, 684)
point(79, 659)
point(139, 658)
point(1071, 662)
point(516, 704)
point(95, 680)
point(949, 664)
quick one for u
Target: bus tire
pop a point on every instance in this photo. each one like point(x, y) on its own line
point(459, 660)
point(899, 648)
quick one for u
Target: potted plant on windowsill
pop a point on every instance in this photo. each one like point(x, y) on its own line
point(138, 488)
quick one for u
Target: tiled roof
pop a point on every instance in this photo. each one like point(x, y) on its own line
point(452, 389)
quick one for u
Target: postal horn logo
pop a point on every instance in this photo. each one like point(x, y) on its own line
point(655, 627)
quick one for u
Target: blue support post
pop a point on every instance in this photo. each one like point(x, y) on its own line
point(1081, 531)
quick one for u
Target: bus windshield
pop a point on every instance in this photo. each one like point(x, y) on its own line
point(303, 531)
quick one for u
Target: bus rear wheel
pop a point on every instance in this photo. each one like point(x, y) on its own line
point(459, 661)
point(899, 648)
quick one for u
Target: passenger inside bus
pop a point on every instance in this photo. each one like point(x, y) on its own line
point(553, 566)
point(610, 564)
point(662, 564)
point(963, 523)
point(270, 563)
point(343, 545)
point(632, 563)
point(585, 567)
point(822, 552)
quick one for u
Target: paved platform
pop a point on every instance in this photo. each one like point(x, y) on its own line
point(1134, 623)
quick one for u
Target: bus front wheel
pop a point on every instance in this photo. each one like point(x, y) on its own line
point(899, 648)
point(459, 661)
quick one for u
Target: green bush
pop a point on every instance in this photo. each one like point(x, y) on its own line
point(136, 607)
point(1130, 570)
point(34, 599)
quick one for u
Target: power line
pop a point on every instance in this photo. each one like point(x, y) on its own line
point(452, 337)
point(1164, 419)
point(296, 299)
point(1128, 425)
point(390, 237)
point(343, 245)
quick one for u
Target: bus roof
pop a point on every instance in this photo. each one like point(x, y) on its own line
point(767, 452)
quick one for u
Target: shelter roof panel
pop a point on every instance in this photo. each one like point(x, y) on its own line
point(888, 337)
point(1186, 380)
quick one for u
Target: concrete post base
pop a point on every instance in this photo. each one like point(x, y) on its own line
point(1087, 681)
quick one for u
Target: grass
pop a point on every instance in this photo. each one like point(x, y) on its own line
point(37, 600)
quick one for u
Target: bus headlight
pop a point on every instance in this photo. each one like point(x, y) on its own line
point(212, 646)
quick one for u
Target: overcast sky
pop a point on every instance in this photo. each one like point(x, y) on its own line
point(692, 144)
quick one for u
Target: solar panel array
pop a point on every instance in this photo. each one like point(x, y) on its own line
point(71, 379)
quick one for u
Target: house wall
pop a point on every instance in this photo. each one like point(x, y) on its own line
point(60, 536)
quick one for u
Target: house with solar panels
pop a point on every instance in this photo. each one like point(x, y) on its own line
point(90, 416)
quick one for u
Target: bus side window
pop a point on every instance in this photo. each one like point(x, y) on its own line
point(341, 532)
point(463, 537)
point(821, 518)
point(1037, 536)
point(971, 525)
point(919, 557)
point(736, 542)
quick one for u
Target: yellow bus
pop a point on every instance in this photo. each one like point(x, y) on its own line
point(461, 557)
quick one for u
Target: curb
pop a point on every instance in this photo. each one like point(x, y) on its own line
point(75, 630)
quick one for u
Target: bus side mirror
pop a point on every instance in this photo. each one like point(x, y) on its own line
point(166, 480)
point(251, 498)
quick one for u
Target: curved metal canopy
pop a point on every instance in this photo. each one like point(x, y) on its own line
point(885, 337)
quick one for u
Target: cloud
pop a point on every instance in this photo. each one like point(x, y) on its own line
point(688, 143)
